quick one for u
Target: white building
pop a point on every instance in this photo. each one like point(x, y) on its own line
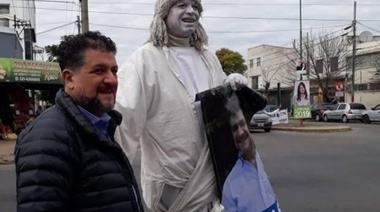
point(20, 16)
point(367, 72)
point(274, 64)
point(268, 63)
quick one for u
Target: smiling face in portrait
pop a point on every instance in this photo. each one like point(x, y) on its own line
point(240, 133)
point(93, 86)
point(301, 88)
point(183, 18)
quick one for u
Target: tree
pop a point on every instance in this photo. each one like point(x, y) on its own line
point(325, 58)
point(232, 62)
point(52, 52)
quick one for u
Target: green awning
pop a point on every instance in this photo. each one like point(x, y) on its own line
point(29, 71)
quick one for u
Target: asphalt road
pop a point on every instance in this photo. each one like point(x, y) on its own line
point(310, 172)
point(324, 172)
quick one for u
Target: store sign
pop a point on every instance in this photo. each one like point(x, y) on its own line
point(339, 86)
point(29, 71)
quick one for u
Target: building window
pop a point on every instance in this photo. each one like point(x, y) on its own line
point(319, 66)
point(334, 64)
point(258, 61)
point(374, 86)
point(4, 22)
point(255, 82)
point(251, 63)
point(4, 8)
point(361, 87)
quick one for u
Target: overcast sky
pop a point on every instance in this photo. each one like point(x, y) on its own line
point(237, 26)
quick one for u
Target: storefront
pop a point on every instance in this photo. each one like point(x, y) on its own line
point(21, 84)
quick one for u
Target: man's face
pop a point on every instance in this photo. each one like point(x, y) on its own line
point(240, 133)
point(183, 18)
point(93, 86)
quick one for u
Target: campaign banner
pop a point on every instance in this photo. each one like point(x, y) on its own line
point(301, 100)
point(226, 116)
point(302, 112)
point(279, 116)
point(29, 71)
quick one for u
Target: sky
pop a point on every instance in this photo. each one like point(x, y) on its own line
point(238, 26)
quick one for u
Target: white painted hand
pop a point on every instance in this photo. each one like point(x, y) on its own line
point(236, 81)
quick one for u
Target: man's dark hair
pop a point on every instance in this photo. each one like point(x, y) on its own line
point(233, 105)
point(72, 48)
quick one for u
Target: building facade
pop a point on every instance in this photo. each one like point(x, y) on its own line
point(367, 73)
point(269, 65)
point(19, 16)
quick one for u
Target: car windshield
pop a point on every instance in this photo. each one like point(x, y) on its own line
point(270, 108)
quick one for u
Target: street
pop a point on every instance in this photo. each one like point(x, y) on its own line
point(309, 171)
point(324, 172)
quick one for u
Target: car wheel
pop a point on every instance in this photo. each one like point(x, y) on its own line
point(365, 119)
point(325, 118)
point(317, 118)
point(344, 119)
point(267, 129)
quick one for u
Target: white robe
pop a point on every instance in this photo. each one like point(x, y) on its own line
point(159, 114)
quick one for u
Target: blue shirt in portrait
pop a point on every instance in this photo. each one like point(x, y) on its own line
point(248, 189)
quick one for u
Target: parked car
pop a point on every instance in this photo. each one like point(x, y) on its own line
point(318, 109)
point(371, 115)
point(344, 112)
point(263, 119)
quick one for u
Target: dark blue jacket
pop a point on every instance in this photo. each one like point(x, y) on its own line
point(62, 164)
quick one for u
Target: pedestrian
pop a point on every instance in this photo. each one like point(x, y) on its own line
point(160, 83)
point(67, 158)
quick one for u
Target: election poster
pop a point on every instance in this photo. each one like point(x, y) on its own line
point(226, 116)
point(301, 100)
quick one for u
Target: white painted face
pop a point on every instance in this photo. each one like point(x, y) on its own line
point(183, 18)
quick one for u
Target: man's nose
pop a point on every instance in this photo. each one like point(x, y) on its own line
point(189, 9)
point(110, 77)
point(240, 131)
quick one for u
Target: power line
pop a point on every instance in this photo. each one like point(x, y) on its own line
point(39, 33)
point(219, 32)
point(218, 3)
point(213, 17)
point(368, 27)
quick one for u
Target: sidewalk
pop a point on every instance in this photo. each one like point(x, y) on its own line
point(310, 126)
point(6, 151)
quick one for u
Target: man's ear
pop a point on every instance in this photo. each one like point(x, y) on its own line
point(68, 78)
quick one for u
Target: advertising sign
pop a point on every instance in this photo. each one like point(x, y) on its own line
point(28, 71)
point(301, 100)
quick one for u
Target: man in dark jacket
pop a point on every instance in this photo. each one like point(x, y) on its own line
point(67, 159)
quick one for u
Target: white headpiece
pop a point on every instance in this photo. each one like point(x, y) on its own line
point(158, 31)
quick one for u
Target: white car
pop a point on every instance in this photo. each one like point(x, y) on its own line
point(371, 115)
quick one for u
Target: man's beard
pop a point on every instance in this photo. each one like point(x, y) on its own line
point(93, 103)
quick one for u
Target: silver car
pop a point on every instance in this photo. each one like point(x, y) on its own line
point(344, 112)
point(371, 115)
point(262, 119)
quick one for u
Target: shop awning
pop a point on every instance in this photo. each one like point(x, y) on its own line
point(30, 72)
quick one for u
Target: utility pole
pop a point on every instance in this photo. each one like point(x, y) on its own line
point(84, 14)
point(353, 55)
point(78, 24)
point(301, 31)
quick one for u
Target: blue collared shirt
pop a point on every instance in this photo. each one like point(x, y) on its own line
point(100, 123)
point(248, 189)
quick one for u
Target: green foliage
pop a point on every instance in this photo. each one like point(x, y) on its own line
point(232, 62)
point(52, 52)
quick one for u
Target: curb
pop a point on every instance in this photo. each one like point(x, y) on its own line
point(314, 129)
